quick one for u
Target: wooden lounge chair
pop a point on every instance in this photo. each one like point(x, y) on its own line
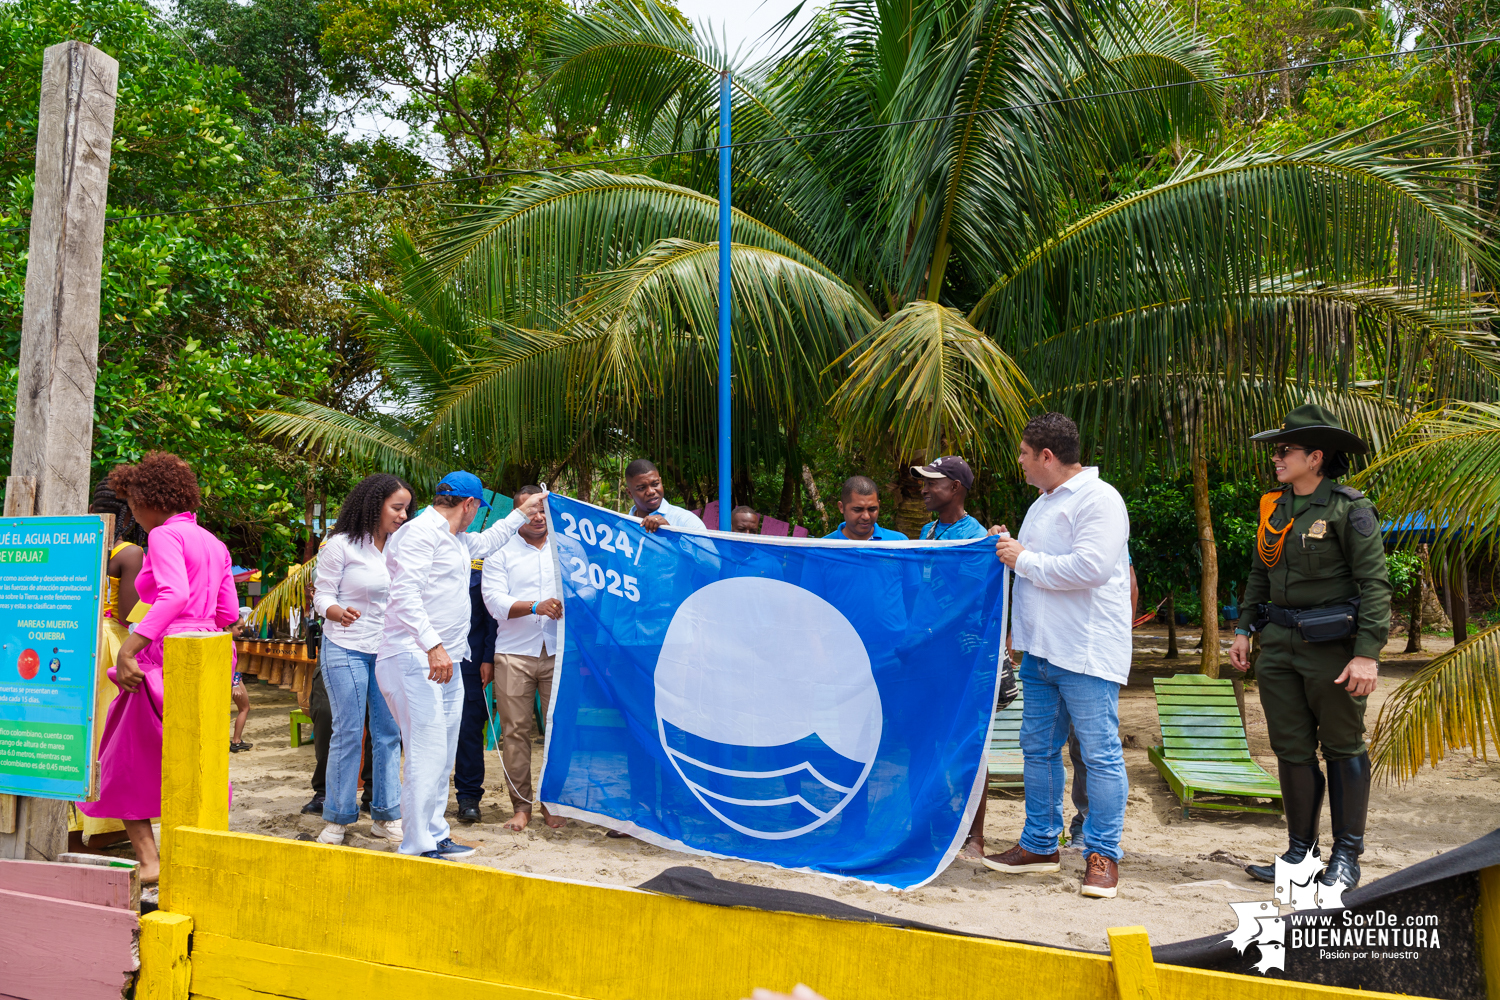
point(1005, 745)
point(1203, 750)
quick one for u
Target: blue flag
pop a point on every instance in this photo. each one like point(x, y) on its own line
point(818, 705)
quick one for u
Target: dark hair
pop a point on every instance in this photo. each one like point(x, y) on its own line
point(863, 485)
point(160, 480)
point(1335, 463)
point(106, 501)
point(745, 509)
point(524, 491)
point(1054, 432)
point(639, 467)
point(359, 517)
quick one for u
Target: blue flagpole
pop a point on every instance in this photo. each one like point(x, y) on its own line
point(726, 495)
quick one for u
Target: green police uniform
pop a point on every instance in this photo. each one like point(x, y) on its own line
point(1316, 555)
point(1333, 553)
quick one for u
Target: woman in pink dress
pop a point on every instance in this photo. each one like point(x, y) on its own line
point(187, 585)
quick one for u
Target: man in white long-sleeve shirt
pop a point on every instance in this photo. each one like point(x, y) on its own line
point(519, 584)
point(1071, 616)
point(426, 632)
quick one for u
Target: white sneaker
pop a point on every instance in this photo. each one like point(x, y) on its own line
point(333, 833)
point(390, 829)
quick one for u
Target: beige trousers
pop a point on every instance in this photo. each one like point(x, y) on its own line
point(518, 680)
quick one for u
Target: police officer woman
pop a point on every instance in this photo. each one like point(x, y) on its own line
point(1319, 595)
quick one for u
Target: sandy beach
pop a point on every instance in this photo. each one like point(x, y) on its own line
point(1177, 877)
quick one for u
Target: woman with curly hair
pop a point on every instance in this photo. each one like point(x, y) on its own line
point(94, 832)
point(351, 592)
point(185, 585)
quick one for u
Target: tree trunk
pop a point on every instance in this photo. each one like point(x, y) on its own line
point(789, 472)
point(1171, 628)
point(1208, 588)
point(911, 513)
point(584, 467)
point(1458, 596)
point(812, 492)
point(1414, 619)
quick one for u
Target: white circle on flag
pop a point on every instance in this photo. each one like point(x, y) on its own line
point(752, 663)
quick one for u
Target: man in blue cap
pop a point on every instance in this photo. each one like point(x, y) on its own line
point(426, 632)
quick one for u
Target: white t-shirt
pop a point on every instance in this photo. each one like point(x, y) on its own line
point(352, 574)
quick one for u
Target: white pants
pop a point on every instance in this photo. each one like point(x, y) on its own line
point(428, 714)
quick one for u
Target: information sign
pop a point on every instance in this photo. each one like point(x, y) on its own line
point(51, 569)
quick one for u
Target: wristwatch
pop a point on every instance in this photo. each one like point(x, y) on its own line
point(1241, 631)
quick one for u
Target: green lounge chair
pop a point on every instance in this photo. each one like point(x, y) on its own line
point(1005, 745)
point(1203, 749)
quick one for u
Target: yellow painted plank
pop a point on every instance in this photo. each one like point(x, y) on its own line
point(194, 742)
point(1180, 983)
point(165, 968)
point(227, 969)
point(577, 939)
point(1135, 970)
point(1487, 930)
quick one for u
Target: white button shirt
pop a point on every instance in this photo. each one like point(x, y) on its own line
point(1072, 590)
point(429, 596)
point(352, 574)
point(676, 516)
point(519, 571)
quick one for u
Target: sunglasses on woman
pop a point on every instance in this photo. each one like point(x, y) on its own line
point(1283, 450)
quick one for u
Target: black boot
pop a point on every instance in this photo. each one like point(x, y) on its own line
point(1348, 804)
point(1302, 801)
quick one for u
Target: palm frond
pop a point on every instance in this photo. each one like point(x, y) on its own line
point(1445, 466)
point(290, 593)
point(1452, 703)
point(329, 434)
point(925, 380)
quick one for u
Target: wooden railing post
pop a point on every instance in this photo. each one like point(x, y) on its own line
point(195, 740)
point(1135, 969)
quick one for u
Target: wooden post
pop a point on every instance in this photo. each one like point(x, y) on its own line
point(194, 741)
point(166, 969)
point(1134, 968)
point(54, 428)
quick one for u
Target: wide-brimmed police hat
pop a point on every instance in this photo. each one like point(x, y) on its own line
point(1314, 427)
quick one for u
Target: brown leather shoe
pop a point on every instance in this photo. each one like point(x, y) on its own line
point(1019, 860)
point(1103, 878)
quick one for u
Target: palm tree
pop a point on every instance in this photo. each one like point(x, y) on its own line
point(931, 239)
point(1444, 465)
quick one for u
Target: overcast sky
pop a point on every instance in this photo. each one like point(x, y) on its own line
point(740, 22)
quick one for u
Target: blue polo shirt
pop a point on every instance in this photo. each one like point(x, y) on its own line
point(965, 527)
point(881, 534)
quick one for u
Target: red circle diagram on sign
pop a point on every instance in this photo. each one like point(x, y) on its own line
point(28, 664)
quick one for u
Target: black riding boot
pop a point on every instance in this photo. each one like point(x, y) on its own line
point(1348, 804)
point(1301, 801)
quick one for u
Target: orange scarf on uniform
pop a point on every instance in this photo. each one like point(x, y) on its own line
point(1270, 551)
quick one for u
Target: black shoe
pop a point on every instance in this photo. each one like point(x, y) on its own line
point(468, 812)
point(364, 807)
point(240, 747)
point(1348, 805)
point(1301, 800)
point(314, 806)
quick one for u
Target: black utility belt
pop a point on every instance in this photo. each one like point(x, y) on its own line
point(1326, 624)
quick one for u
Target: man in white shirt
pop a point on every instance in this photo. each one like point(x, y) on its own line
point(1071, 616)
point(426, 632)
point(643, 483)
point(520, 590)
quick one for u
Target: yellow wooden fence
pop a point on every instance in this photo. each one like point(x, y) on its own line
point(245, 916)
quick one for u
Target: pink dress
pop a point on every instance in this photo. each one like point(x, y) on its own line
point(186, 579)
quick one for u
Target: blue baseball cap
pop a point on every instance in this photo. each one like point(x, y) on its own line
point(462, 484)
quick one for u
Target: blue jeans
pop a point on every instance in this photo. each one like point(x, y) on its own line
point(349, 676)
point(1056, 698)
